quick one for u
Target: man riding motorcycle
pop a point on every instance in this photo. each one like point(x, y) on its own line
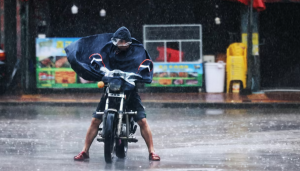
point(121, 52)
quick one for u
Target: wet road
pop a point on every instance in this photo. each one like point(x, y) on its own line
point(44, 138)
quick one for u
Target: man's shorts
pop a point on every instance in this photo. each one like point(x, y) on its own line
point(133, 103)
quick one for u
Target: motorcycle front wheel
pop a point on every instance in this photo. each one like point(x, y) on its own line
point(121, 148)
point(109, 141)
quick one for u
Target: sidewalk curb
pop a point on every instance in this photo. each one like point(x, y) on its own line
point(169, 104)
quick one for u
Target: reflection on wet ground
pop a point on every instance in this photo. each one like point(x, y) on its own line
point(47, 137)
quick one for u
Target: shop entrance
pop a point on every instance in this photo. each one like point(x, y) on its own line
point(279, 49)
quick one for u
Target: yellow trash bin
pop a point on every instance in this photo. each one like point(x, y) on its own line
point(236, 65)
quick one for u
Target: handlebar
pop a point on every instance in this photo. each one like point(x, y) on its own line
point(124, 113)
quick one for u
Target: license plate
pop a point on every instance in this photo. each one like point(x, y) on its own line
point(115, 95)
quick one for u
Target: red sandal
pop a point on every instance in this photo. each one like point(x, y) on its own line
point(81, 156)
point(154, 157)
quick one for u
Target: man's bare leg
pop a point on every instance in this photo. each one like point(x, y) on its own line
point(91, 134)
point(146, 134)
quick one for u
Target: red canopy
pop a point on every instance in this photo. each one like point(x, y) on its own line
point(272, 1)
point(259, 5)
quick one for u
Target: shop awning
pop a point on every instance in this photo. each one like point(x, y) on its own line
point(273, 1)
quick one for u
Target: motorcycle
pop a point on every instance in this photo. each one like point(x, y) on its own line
point(118, 124)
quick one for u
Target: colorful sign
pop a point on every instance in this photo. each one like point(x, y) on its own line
point(54, 71)
point(182, 74)
point(52, 67)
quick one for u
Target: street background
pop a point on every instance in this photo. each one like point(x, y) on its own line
point(42, 129)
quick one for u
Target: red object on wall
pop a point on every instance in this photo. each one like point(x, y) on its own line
point(172, 55)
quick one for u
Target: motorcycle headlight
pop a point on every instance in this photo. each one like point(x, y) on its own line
point(115, 85)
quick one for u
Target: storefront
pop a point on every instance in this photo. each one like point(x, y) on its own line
point(55, 19)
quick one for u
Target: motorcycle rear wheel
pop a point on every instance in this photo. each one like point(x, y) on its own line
point(109, 141)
